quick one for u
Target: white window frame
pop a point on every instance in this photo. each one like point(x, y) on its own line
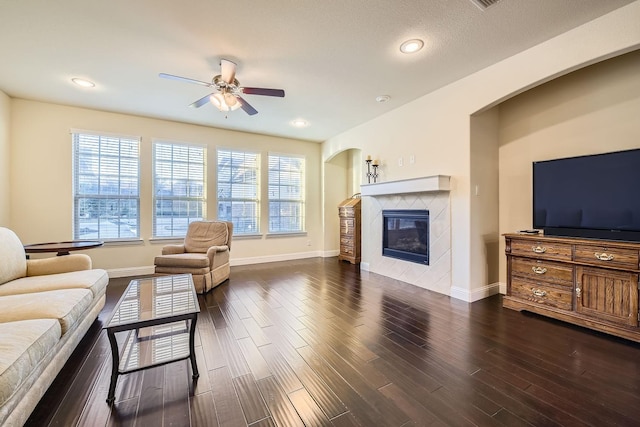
point(179, 181)
point(235, 193)
point(106, 173)
point(279, 192)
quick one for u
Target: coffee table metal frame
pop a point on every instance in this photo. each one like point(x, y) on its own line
point(190, 317)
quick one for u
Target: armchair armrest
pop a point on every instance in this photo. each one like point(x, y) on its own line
point(215, 249)
point(58, 264)
point(173, 249)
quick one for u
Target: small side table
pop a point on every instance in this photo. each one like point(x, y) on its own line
point(62, 248)
point(159, 315)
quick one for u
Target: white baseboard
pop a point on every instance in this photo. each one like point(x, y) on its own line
point(475, 294)
point(329, 254)
point(131, 271)
point(503, 288)
point(275, 258)
point(364, 266)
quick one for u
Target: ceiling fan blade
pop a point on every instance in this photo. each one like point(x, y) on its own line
point(228, 70)
point(200, 102)
point(184, 79)
point(263, 91)
point(246, 106)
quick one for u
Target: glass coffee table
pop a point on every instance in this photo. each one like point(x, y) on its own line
point(158, 315)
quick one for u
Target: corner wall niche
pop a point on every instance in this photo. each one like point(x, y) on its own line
point(427, 193)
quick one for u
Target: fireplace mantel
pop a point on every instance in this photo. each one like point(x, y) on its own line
point(404, 186)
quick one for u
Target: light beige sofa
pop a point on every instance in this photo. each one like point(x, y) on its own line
point(46, 307)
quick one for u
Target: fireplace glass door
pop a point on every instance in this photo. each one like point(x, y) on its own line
point(406, 235)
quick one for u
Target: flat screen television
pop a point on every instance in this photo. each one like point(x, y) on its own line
point(595, 196)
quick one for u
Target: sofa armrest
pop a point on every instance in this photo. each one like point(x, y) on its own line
point(172, 249)
point(58, 264)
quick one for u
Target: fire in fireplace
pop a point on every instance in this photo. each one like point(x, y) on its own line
point(405, 235)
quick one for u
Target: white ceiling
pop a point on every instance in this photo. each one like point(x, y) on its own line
point(332, 57)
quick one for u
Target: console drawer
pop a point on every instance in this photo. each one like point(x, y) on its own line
point(541, 249)
point(607, 256)
point(541, 293)
point(543, 271)
point(346, 225)
point(346, 249)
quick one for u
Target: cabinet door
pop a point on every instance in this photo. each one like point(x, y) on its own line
point(607, 295)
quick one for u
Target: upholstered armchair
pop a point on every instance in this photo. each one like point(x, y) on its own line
point(204, 254)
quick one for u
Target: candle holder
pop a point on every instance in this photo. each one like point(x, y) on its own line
point(373, 174)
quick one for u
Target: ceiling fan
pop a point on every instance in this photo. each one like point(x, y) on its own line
point(228, 90)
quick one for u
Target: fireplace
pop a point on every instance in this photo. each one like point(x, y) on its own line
point(405, 235)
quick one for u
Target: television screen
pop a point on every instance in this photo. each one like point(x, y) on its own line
point(594, 196)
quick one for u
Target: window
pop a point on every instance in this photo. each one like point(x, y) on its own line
point(286, 194)
point(179, 187)
point(106, 186)
point(238, 189)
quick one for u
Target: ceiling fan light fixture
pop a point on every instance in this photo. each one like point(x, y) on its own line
point(224, 102)
point(411, 46)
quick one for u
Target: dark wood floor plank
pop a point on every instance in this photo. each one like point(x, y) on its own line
point(176, 394)
point(96, 411)
point(307, 408)
point(123, 413)
point(280, 407)
point(320, 342)
point(282, 371)
point(150, 408)
point(203, 411)
point(256, 362)
point(235, 360)
point(227, 405)
point(253, 405)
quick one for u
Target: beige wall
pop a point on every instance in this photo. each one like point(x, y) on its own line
point(5, 152)
point(593, 110)
point(41, 202)
point(436, 128)
point(484, 201)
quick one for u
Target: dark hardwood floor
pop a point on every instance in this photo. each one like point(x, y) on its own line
point(317, 342)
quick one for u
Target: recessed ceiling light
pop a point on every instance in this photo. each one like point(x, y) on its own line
point(411, 46)
point(300, 123)
point(382, 98)
point(83, 82)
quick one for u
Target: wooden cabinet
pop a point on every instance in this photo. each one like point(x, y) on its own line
point(349, 214)
point(592, 283)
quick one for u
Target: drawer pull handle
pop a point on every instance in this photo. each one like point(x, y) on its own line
point(578, 292)
point(538, 292)
point(539, 249)
point(604, 256)
point(539, 270)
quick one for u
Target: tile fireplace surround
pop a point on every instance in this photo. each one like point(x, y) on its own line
point(430, 193)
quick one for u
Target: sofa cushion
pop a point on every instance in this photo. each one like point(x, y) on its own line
point(96, 280)
point(23, 344)
point(13, 262)
point(66, 305)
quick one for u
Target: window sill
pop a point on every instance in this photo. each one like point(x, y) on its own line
point(123, 242)
point(285, 234)
point(161, 240)
point(246, 236)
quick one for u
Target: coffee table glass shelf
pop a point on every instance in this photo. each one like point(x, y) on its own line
point(158, 315)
